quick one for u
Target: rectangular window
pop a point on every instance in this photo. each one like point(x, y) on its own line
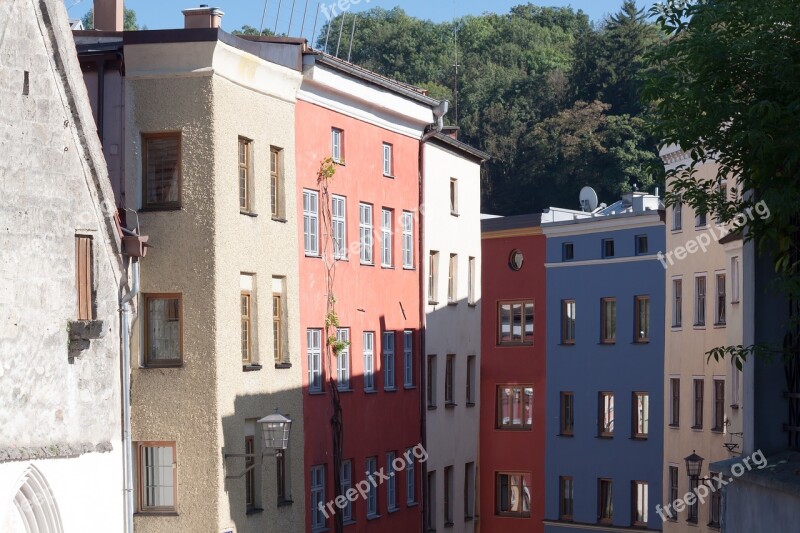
point(318, 519)
point(673, 490)
point(677, 302)
point(514, 407)
point(276, 182)
point(343, 359)
point(339, 223)
point(452, 280)
point(605, 416)
point(311, 222)
point(369, 360)
point(84, 273)
point(386, 237)
point(471, 282)
point(448, 496)
point(365, 232)
point(431, 382)
point(387, 160)
point(449, 371)
point(701, 220)
point(433, 277)
point(411, 493)
point(513, 494)
point(567, 413)
point(161, 166)
point(715, 506)
point(567, 251)
point(314, 340)
point(719, 315)
point(677, 217)
point(642, 313)
point(605, 501)
point(719, 405)
point(641, 415)
point(277, 325)
point(693, 508)
point(430, 497)
point(469, 491)
point(372, 492)
point(245, 185)
point(515, 322)
point(157, 476)
point(734, 280)
point(247, 327)
point(641, 244)
point(408, 239)
point(280, 467)
point(163, 331)
point(346, 482)
point(674, 402)
point(700, 300)
point(608, 248)
point(408, 359)
point(391, 485)
point(640, 497)
point(608, 320)
point(337, 150)
point(250, 475)
point(471, 386)
point(453, 196)
point(388, 360)
point(567, 321)
point(566, 498)
point(697, 423)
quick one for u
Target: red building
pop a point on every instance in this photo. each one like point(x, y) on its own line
point(512, 421)
point(361, 239)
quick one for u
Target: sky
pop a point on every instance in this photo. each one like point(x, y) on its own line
point(163, 14)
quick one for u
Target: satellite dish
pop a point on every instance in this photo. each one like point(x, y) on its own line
point(588, 199)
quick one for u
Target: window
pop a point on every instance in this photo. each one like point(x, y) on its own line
point(674, 402)
point(245, 170)
point(408, 239)
point(605, 417)
point(276, 181)
point(84, 272)
point(411, 493)
point(346, 482)
point(448, 496)
point(715, 507)
point(567, 321)
point(515, 260)
point(719, 405)
point(339, 223)
point(719, 315)
point(605, 501)
point(734, 280)
point(567, 413)
point(391, 485)
point(430, 496)
point(161, 166)
point(471, 386)
point(513, 496)
point(365, 233)
point(250, 475)
point(388, 360)
point(163, 333)
point(700, 300)
point(386, 237)
point(698, 404)
point(471, 282)
point(567, 251)
point(515, 321)
point(408, 359)
point(337, 136)
point(277, 322)
point(280, 467)
point(452, 280)
point(369, 360)
point(157, 476)
point(641, 244)
point(387, 160)
point(642, 326)
point(735, 375)
point(514, 407)
point(701, 220)
point(314, 339)
point(247, 329)
point(450, 364)
point(677, 217)
point(317, 497)
point(343, 359)
point(608, 320)
point(311, 222)
point(433, 278)
point(566, 498)
point(453, 196)
point(641, 415)
point(639, 495)
point(469, 491)
point(694, 483)
point(677, 302)
point(673, 489)
point(431, 382)
point(608, 248)
point(372, 493)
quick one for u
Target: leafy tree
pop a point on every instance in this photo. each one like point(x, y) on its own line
point(128, 20)
point(249, 30)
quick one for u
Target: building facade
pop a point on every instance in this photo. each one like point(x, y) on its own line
point(605, 368)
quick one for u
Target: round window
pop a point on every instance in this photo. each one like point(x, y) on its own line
point(515, 260)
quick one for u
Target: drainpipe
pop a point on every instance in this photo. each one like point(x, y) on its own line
point(125, 304)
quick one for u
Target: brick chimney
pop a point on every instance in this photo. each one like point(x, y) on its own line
point(108, 15)
point(202, 17)
point(451, 131)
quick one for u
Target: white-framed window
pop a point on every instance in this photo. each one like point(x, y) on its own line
point(311, 222)
point(698, 394)
point(343, 360)
point(372, 492)
point(408, 239)
point(471, 380)
point(365, 232)
point(369, 360)
point(411, 493)
point(430, 393)
point(387, 160)
point(339, 222)
point(433, 278)
point(386, 237)
point(640, 497)
point(677, 217)
point(337, 136)
point(700, 300)
point(677, 302)
point(471, 282)
point(391, 485)
point(430, 498)
point(452, 280)
point(469, 490)
point(317, 497)
point(346, 481)
point(735, 280)
point(448, 496)
point(388, 360)
point(735, 375)
point(700, 219)
point(314, 340)
point(408, 359)
point(453, 196)
point(720, 299)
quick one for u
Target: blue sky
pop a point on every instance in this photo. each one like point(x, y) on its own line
point(160, 14)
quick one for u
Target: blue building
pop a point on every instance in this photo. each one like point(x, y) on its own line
point(605, 367)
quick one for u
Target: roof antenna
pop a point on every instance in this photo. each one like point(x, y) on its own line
point(314, 31)
point(339, 42)
point(303, 24)
point(291, 18)
point(352, 34)
point(275, 31)
point(456, 65)
point(261, 28)
point(328, 35)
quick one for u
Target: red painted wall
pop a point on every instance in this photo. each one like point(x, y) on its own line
point(369, 298)
point(512, 451)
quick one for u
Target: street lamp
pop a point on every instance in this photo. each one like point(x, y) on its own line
point(276, 429)
point(694, 465)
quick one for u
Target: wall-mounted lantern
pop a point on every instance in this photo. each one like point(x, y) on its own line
point(275, 429)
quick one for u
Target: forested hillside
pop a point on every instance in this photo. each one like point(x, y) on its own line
point(552, 97)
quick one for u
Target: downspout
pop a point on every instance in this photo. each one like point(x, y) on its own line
point(125, 303)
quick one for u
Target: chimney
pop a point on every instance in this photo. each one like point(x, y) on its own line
point(202, 17)
point(108, 15)
point(451, 131)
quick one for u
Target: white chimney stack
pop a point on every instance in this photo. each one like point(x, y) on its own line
point(202, 17)
point(108, 15)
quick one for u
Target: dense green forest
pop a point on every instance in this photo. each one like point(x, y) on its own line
point(551, 96)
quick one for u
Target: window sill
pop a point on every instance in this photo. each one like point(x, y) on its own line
point(251, 368)
point(568, 435)
point(605, 437)
point(676, 328)
point(674, 426)
point(362, 263)
point(339, 162)
point(472, 304)
point(411, 504)
point(639, 437)
point(470, 404)
point(734, 406)
point(316, 393)
point(699, 326)
point(387, 267)
point(408, 268)
point(283, 366)
point(389, 389)
point(162, 366)
point(697, 428)
point(454, 214)
point(388, 176)
point(736, 302)
point(452, 303)
point(718, 430)
point(676, 230)
point(313, 255)
point(720, 326)
point(433, 302)
point(641, 342)
point(513, 344)
point(469, 518)
point(607, 343)
point(348, 389)
point(431, 408)
point(255, 510)
point(409, 387)
point(280, 219)
point(393, 510)
point(154, 513)
point(562, 343)
point(448, 525)
point(450, 405)
point(249, 214)
point(370, 391)
point(153, 209)
point(373, 517)
point(285, 503)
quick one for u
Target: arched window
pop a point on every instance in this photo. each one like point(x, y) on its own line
point(37, 511)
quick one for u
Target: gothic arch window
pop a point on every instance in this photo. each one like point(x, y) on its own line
point(37, 511)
